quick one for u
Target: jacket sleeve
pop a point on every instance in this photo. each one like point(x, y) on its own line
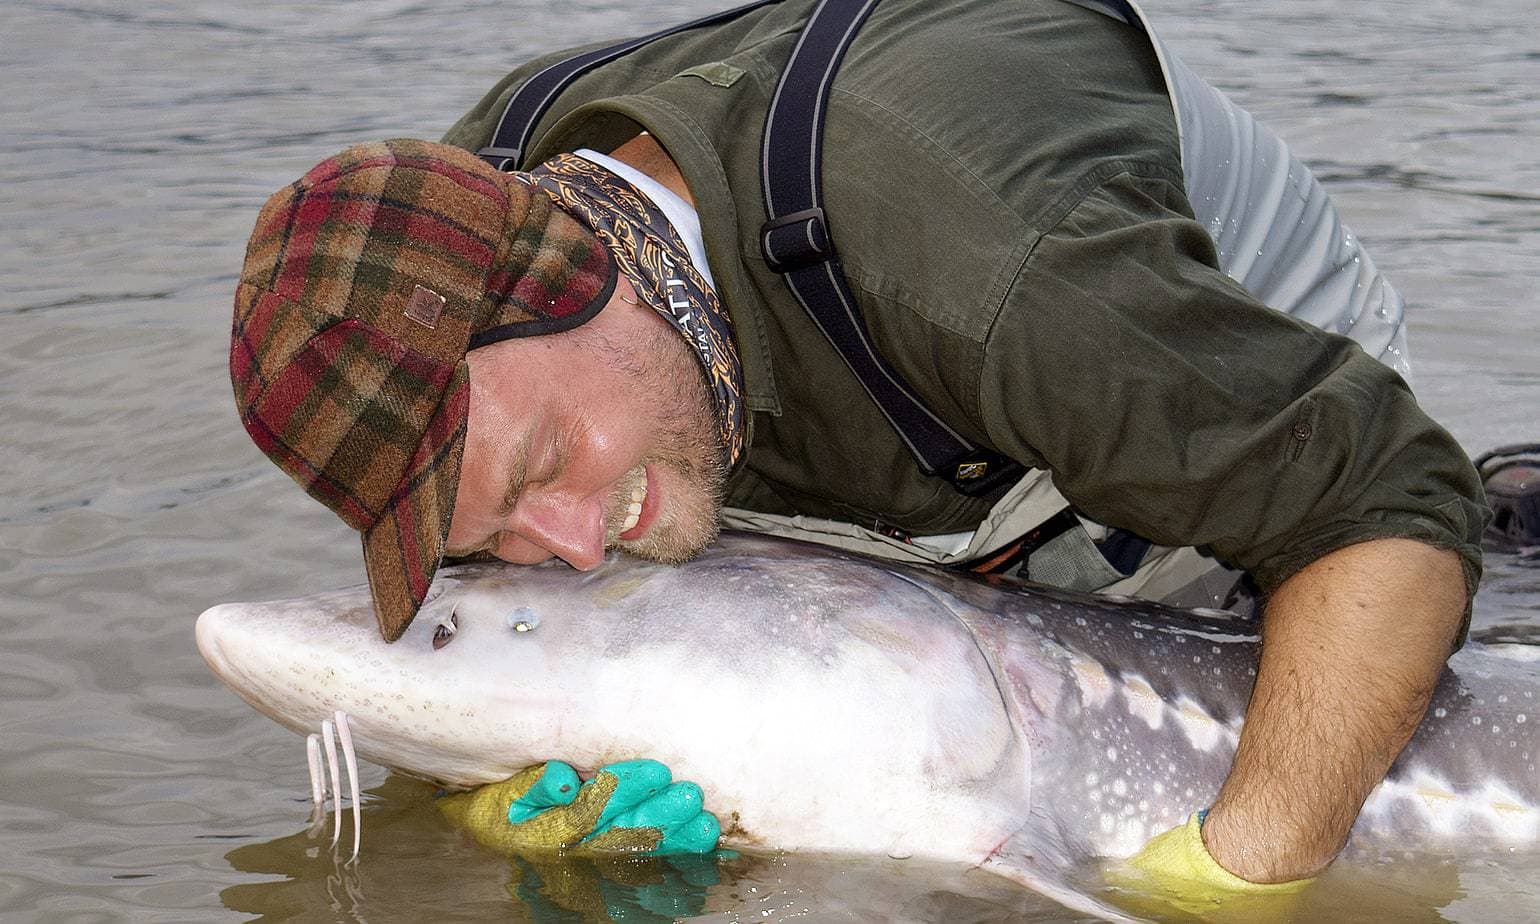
point(1168, 401)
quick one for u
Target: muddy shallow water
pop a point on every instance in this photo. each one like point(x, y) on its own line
point(138, 141)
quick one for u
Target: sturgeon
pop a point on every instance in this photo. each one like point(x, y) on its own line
point(829, 702)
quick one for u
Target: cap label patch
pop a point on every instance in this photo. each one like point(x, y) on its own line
point(425, 306)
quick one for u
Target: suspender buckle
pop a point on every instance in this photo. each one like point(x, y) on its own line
point(504, 159)
point(981, 473)
point(796, 241)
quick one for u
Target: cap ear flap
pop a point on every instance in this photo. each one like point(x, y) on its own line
point(554, 274)
point(403, 549)
point(346, 415)
point(267, 331)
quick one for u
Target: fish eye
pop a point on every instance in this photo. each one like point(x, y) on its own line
point(444, 632)
point(523, 619)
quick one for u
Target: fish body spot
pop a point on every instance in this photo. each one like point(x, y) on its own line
point(1201, 729)
point(1095, 686)
point(1143, 702)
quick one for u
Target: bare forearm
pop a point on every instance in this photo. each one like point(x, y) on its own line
point(1352, 646)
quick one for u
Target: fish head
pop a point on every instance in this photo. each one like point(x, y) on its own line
point(504, 666)
point(823, 701)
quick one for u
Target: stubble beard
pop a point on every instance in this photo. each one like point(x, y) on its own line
point(692, 450)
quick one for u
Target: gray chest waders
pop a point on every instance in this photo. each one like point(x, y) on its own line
point(1276, 232)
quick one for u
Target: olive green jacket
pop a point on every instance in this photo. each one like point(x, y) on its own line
point(1004, 187)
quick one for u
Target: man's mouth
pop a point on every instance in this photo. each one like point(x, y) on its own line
point(641, 511)
point(634, 511)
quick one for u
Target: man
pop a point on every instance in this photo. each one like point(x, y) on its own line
point(457, 360)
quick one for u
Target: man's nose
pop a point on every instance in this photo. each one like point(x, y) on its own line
point(572, 530)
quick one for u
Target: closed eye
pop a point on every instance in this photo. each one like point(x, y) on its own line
point(553, 459)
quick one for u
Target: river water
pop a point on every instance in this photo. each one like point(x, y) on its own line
point(136, 143)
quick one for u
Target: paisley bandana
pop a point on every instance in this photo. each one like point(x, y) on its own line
point(651, 254)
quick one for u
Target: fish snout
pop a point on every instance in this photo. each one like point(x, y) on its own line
point(212, 632)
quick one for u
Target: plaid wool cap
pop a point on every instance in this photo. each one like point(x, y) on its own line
point(365, 284)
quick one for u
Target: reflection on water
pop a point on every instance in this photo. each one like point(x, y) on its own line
point(417, 867)
point(138, 142)
point(647, 890)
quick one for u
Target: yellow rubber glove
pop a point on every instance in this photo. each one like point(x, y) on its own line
point(1174, 878)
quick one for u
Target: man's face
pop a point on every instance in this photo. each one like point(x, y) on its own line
point(603, 436)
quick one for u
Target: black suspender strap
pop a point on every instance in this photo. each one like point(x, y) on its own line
point(797, 244)
point(530, 101)
point(795, 240)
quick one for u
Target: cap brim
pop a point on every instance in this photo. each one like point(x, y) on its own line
point(402, 550)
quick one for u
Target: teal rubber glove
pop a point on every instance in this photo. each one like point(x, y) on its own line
point(628, 807)
point(1174, 877)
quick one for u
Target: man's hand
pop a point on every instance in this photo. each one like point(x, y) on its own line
point(1352, 647)
point(628, 807)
